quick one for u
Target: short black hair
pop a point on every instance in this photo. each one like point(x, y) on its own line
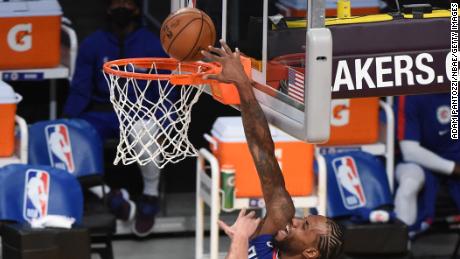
point(137, 2)
point(330, 246)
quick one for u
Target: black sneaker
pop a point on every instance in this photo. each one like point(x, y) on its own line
point(120, 204)
point(147, 208)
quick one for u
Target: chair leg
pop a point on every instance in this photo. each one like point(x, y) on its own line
point(105, 251)
point(108, 251)
point(457, 247)
point(162, 195)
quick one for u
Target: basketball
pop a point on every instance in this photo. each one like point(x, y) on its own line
point(186, 32)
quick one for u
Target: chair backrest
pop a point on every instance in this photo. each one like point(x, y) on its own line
point(356, 180)
point(28, 192)
point(69, 144)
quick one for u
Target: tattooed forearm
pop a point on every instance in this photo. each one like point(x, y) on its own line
point(262, 149)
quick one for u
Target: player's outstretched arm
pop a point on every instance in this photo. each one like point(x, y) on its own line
point(280, 209)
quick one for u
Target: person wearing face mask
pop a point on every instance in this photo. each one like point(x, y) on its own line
point(89, 99)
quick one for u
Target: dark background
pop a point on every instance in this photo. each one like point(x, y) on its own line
point(88, 16)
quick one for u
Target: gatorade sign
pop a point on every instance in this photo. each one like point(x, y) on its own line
point(29, 41)
point(340, 112)
point(19, 37)
point(354, 121)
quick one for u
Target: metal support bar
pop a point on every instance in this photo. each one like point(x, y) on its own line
point(53, 99)
point(316, 14)
point(23, 151)
point(73, 47)
point(224, 20)
point(265, 42)
point(322, 183)
point(199, 213)
point(389, 139)
point(203, 157)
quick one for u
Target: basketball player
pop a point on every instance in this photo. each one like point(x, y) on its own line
point(279, 235)
point(429, 155)
point(89, 98)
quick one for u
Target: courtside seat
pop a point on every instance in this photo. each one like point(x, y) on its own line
point(60, 193)
point(31, 192)
point(69, 144)
point(357, 186)
point(74, 145)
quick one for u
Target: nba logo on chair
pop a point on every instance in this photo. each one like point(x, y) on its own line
point(59, 147)
point(36, 193)
point(349, 183)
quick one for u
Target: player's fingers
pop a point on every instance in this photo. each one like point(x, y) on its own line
point(223, 225)
point(251, 214)
point(219, 51)
point(226, 228)
point(242, 213)
point(211, 56)
point(225, 47)
point(237, 53)
point(210, 77)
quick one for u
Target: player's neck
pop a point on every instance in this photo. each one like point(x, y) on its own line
point(282, 255)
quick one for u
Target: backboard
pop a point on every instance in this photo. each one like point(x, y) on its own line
point(299, 104)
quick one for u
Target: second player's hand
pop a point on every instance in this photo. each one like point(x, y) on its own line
point(456, 172)
point(244, 226)
point(232, 69)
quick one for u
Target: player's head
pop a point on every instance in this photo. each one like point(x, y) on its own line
point(311, 237)
point(123, 12)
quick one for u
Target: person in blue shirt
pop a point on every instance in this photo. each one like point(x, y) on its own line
point(88, 99)
point(429, 155)
point(279, 234)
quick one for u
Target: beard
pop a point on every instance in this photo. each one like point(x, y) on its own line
point(289, 246)
point(282, 245)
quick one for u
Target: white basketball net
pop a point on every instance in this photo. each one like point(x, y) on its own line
point(154, 117)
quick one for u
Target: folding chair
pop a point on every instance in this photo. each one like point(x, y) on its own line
point(35, 192)
point(358, 185)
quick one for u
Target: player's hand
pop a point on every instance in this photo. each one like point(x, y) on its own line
point(232, 69)
point(244, 226)
point(456, 172)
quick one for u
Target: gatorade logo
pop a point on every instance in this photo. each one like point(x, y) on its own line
point(340, 112)
point(19, 37)
point(231, 181)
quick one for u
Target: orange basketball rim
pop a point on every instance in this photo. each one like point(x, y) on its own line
point(190, 73)
point(182, 74)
